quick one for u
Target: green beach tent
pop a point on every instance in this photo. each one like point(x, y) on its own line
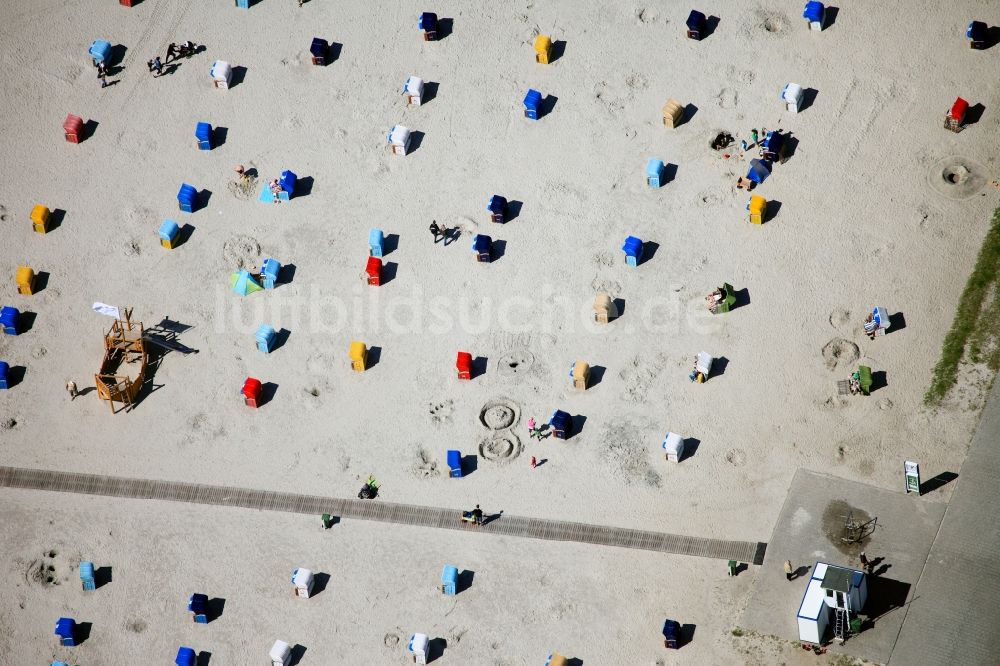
point(243, 283)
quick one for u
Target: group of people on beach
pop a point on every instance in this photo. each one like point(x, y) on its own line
point(754, 139)
point(441, 232)
point(175, 51)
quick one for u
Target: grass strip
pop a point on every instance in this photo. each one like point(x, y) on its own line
point(973, 323)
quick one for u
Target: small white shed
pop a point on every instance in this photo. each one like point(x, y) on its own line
point(281, 653)
point(673, 447)
point(413, 89)
point(792, 95)
point(302, 582)
point(399, 140)
point(222, 73)
point(419, 646)
point(830, 587)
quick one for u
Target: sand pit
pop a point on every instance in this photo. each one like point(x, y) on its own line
point(875, 203)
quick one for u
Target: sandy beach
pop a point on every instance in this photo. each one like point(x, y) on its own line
point(859, 218)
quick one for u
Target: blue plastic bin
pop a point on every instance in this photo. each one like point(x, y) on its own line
point(633, 251)
point(287, 182)
point(87, 575)
point(814, 12)
point(185, 657)
point(100, 51)
point(265, 336)
point(454, 464)
point(269, 273)
point(428, 22)
point(9, 319)
point(187, 198)
point(376, 242)
point(66, 631)
point(532, 104)
point(696, 24)
point(654, 172)
point(198, 605)
point(497, 208)
point(482, 247)
point(449, 580)
point(169, 233)
point(561, 424)
point(203, 134)
point(758, 171)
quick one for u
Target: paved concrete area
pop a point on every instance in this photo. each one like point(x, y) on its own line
point(955, 614)
point(407, 514)
point(810, 528)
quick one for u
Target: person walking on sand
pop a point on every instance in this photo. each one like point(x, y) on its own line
point(104, 80)
point(534, 463)
point(753, 137)
point(171, 52)
point(865, 563)
point(71, 388)
point(155, 66)
point(789, 572)
point(436, 230)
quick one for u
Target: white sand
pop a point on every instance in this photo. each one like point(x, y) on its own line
point(859, 225)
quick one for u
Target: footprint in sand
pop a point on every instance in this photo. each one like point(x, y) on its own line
point(728, 98)
point(736, 457)
point(441, 412)
point(645, 15)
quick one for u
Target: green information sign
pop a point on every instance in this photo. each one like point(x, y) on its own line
point(912, 472)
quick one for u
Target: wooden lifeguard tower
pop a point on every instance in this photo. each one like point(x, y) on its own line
point(124, 347)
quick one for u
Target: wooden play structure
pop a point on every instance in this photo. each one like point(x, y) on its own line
point(124, 347)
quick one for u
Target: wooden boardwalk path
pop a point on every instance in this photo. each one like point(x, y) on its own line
point(377, 510)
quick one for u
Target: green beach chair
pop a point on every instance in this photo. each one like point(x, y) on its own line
point(865, 379)
point(728, 298)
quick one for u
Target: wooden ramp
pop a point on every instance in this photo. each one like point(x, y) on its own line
point(377, 510)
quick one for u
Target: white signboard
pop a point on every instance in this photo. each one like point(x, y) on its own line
point(912, 472)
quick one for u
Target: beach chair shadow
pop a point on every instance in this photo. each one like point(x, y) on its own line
point(444, 28)
point(558, 50)
point(430, 91)
point(513, 210)
point(808, 98)
point(691, 445)
point(320, 581)
point(773, 206)
point(974, 114)
point(649, 249)
point(374, 355)
point(298, 651)
point(89, 128)
point(238, 75)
